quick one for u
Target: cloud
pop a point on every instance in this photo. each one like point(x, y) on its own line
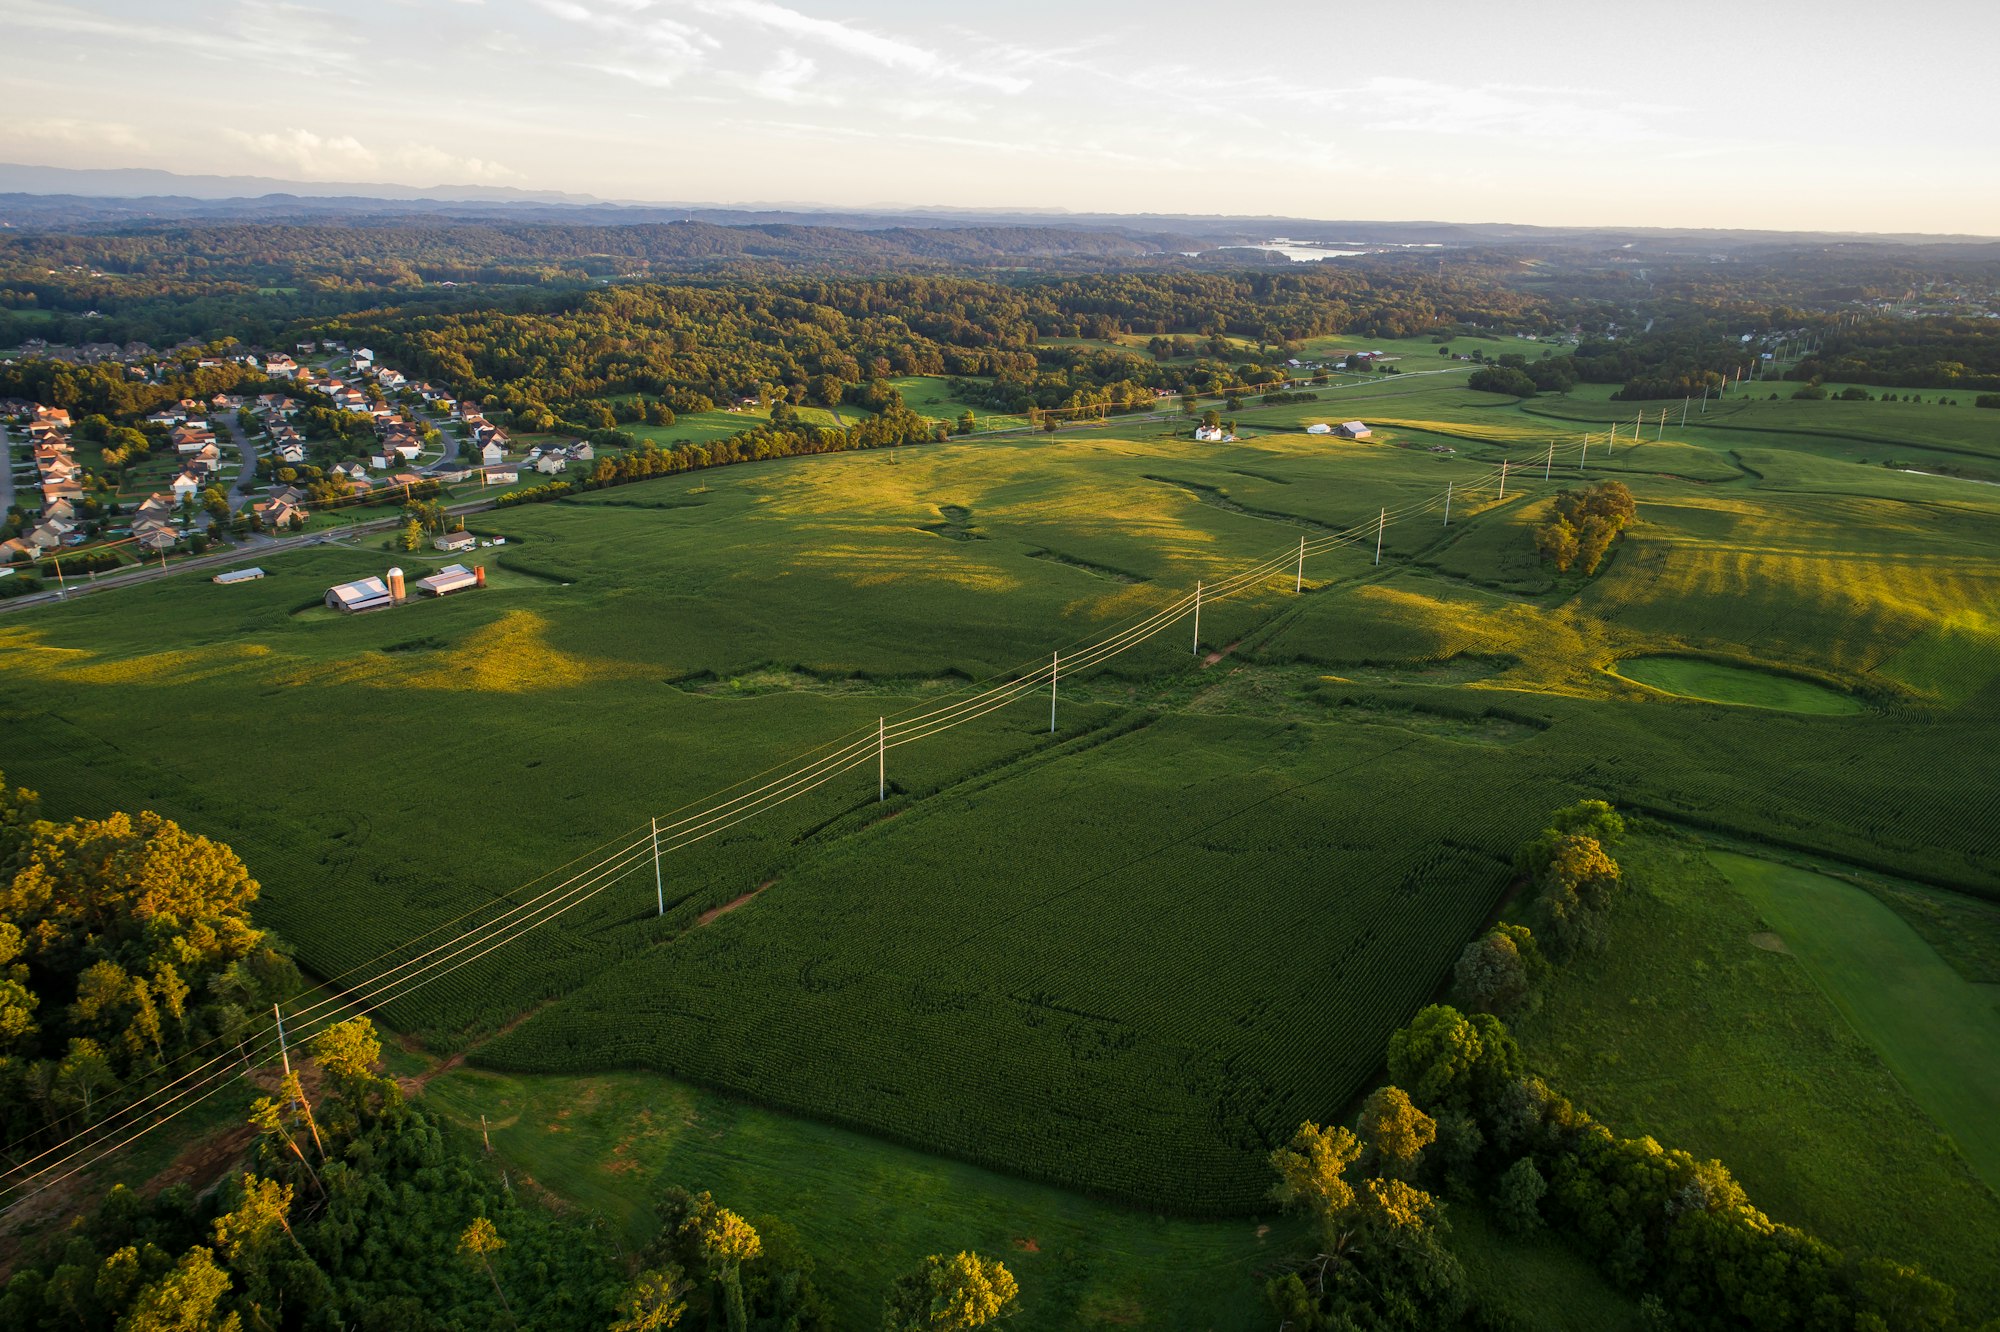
point(891, 52)
point(791, 80)
point(60, 132)
point(311, 156)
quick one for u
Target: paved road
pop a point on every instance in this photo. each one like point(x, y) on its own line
point(262, 545)
point(246, 477)
point(253, 548)
point(450, 445)
point(6, 469)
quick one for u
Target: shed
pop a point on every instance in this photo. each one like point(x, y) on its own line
point(1353, 430)
point(1319, 428)
point(238, 576)
point(361, 595)
point(452, 578)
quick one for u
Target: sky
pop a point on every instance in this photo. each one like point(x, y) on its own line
point(1833, 116)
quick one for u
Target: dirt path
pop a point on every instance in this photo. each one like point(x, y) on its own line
point(1219, 654)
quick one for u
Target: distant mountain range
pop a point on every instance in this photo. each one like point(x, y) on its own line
point(46, 198)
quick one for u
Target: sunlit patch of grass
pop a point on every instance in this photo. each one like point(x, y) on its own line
point(510, 656)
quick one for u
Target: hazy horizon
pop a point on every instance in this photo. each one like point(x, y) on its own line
point(1563, 118)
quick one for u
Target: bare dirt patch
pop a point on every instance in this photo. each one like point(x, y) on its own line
point(1220, 653)
point(1769, 942)
point(1026, 1244)
point(201, 1163)
point(727, 907)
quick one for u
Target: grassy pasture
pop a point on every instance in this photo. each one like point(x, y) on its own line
point(1719, 682)
point(1125, 958)
point(1939, 1033)
point(610, 1144)
point(930, 395)
point(1691, 1026)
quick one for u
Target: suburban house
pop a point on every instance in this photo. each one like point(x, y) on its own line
point(278, 513)
point(280, 366)
point(501, 476)
point(582, 451)
point(455, 541)
point(291, 452)
point(186, 485)
point(551, 463)
point(353, 471)
point(1353, 430)
point(159, 538)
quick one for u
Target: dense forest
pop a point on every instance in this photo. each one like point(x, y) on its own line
point(547, 313)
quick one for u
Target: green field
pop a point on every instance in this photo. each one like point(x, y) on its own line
point(1700, 1026)
point(1126, 958)
point(612, 1143)
point(1720, 682)
point(1939, 1033)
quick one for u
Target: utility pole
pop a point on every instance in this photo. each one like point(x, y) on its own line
point(1704, 399)
point(1503, 478)
point(1663, 426)
point(1299, 583)
point(1583, 455)
point(483, 1135)
point(1197, 617)
point(659, 884)
point(1550, 461)
point(1055, 670)
point(1447, 503)
point(881, 758)
point(1684, 413)
point(1380, 523)
point(1638, 425)
point(283, 1053)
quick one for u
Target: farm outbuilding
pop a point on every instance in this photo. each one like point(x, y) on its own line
point(1353, 430)
point(1319, 428)
point(455, 541)
point(364, 594)
point(452, 578)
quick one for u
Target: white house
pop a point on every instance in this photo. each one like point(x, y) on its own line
point(491, 453)
point(551, 463)
point(186, 484)
point(455, 541)
point(1208, 434)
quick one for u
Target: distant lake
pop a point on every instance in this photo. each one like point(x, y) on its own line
point(1301, 253)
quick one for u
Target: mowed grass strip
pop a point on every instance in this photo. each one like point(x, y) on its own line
point(1938, 1032)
